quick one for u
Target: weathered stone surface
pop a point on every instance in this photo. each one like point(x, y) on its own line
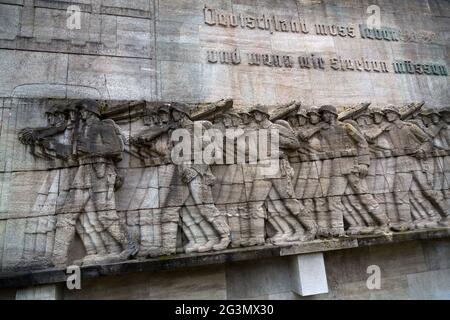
point(99, 185)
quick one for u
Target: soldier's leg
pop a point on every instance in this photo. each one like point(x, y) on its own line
point(201, 235)
point(64, 235)
point(323, 218)
point(50, 237)
point(276, 217)
point(356, 216)
point(296, 210)
point(279, 229)
point(82, 233)
point(67, 215)
point(143, 228)
point(29, 249)
point(336, 211)
point(257, 216)
point(170, 217)
point(192, 232)
point(401, 191)
point(202, 196)
point(94, 230)
point(368, 201)
point(234, 221)
point(104, 205)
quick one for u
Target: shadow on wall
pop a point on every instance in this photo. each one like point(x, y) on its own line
point(55, 90)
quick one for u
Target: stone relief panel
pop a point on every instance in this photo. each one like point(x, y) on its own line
point(115, 178)
point(270, 52)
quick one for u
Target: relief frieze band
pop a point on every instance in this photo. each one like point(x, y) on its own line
point(172, 178)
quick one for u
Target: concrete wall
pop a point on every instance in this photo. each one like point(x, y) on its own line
point(411, 270)
point(149, 49)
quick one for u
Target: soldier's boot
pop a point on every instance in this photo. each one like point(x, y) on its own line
point(404, 223)
point(245, 230)
point(311, 228)
point(257, 233)
point(433, 220)
point(336, 210)
point(192, 245)
point(221, 226)
point(88, 244)
point(169, 230)
point(354, 230)
point(285, 232)
point(192, 231)
point(278, 229)
point(129, 246)
point(210, 238)
point(150, 244)
point(299, 233)
point(257, 228)
point(382, 220)
point(445, 221)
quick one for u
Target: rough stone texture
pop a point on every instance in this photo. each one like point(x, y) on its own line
point(269, 278)
point(159, 50)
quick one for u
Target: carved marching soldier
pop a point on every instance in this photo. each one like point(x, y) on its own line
point(347, 165)
point(291, 221)
point(363, 219)
point(92, 192)
point(408, 144)
point(422, 210)
point(152, 146)
point(39, 231)
point(436, 129)
point(442, 142)
point(193, 182)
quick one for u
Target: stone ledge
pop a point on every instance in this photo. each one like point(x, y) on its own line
point(31, 278)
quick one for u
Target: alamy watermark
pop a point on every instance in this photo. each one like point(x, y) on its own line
point(374, 20)
point(73, 281)
point(73, 21)
point(202, 146)
point(374, 280)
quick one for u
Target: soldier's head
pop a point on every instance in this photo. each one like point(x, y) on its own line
point(364, 119)
point(377, 115)
point(88, 109)
point(313, 115)
point(302, 117)
point(71, 112)
point(225, 119)
point(391, 113)
point(56, 115)
point(328, 113)
point(164, 113)
point(445, 114)
point(246, 117)
point(430, 116)
point(236, 119)
point(50, 117)
point(179, 112)
point(292, 119)
point(150, 118)
point(260, 113)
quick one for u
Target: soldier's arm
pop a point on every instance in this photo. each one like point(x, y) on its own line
point(362, 145)
point(306, 134)
point(150, 134)
point(288, 140)
point(418, 132)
